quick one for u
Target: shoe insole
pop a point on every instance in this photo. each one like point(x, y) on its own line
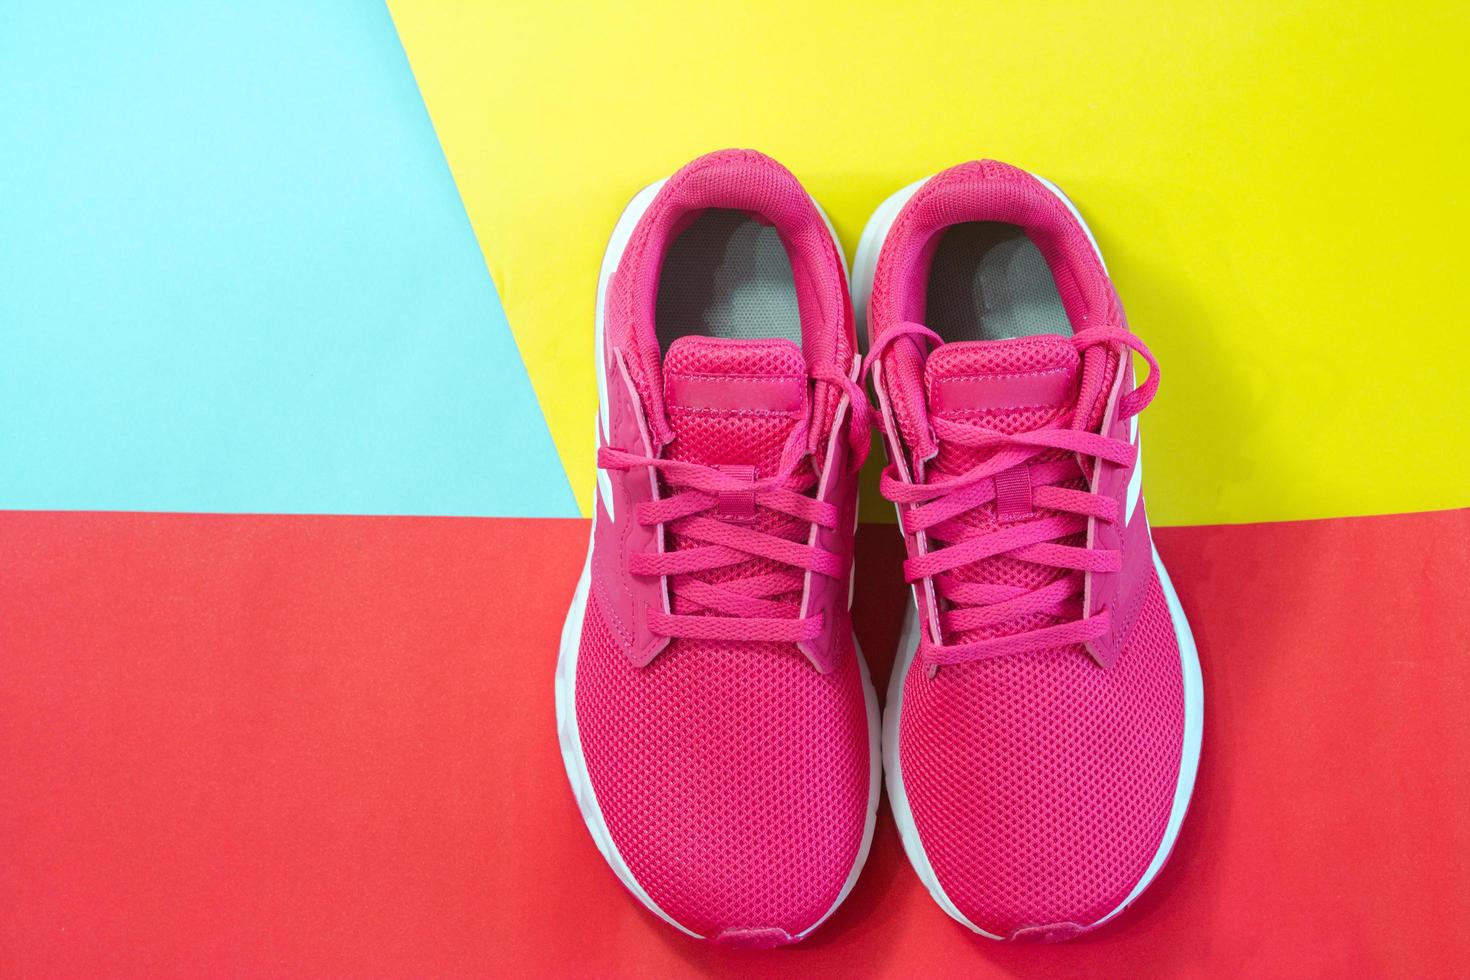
point(726, 275)
point(987, 281)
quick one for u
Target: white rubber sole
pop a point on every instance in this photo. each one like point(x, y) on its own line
point(567, 730)
point(864, 267)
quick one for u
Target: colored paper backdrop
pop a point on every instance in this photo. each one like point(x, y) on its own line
point(296, 407)
point(235, 275)
point(1277, 189)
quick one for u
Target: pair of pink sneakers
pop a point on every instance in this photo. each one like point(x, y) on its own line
point(716, 718)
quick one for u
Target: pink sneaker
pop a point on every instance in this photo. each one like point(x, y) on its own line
point(715, 716)
point(1043, 724)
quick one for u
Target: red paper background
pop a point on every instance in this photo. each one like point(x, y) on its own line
point(271, 745)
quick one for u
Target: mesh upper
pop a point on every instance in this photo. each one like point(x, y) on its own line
point(734, 778)
point(1040, 784)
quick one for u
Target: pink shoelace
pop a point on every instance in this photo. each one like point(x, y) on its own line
point(937, 506)
point(747, 607)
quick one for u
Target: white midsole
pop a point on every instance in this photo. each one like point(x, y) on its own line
point(567, 729)
point(864, 268)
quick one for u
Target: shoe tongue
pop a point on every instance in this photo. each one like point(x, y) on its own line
point(1014, 385)
point(734, 402)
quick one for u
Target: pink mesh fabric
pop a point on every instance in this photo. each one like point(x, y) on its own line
point(733, 777)
point(1040, 784)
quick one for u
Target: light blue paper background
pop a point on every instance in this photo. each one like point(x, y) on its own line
point(236, 275)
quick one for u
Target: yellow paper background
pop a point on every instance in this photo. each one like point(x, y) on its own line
point(1278, 190)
